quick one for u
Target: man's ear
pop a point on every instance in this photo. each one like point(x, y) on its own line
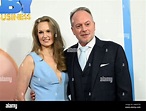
point(72, 30)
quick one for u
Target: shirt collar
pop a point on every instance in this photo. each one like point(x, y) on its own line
point(90, 44)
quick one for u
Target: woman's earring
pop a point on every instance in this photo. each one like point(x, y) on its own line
point(55, 35)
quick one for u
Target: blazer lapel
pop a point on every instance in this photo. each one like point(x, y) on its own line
point(98, 54)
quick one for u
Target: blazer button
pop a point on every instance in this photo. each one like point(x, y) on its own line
point(123, 94)
point(89, 93)
point(72, 79)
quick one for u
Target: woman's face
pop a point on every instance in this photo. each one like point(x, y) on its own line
point(45, 34)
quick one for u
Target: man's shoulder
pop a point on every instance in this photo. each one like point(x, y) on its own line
point(110, 43)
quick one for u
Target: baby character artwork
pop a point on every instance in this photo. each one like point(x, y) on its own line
point(8, 74)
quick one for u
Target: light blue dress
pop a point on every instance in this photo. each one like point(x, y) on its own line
point(45, 82)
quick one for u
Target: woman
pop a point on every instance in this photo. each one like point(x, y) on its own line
point(44, 67)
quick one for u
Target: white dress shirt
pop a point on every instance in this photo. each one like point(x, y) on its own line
point(90, 45)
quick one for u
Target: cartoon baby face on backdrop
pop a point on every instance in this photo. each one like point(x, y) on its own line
point(8, 73)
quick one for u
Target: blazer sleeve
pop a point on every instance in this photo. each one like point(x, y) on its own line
point(123, 79)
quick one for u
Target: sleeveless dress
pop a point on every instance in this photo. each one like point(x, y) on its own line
point(45, 84)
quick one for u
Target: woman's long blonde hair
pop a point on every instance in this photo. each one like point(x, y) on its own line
point(57, 46)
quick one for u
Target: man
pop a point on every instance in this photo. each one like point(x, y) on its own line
point(105, 76)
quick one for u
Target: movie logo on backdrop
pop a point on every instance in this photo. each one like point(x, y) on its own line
point(15, 10)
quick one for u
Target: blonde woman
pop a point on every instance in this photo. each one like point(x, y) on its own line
point(44, 67)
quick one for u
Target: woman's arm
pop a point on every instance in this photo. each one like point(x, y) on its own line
point(24, 75)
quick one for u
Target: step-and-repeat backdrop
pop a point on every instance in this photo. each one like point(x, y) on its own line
point(121, 21)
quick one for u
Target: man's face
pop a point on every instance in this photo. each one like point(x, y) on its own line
point(83, 27)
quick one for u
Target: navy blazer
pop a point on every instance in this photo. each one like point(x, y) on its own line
point(110, 73)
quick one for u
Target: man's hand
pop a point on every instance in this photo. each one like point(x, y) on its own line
point(32, 95)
